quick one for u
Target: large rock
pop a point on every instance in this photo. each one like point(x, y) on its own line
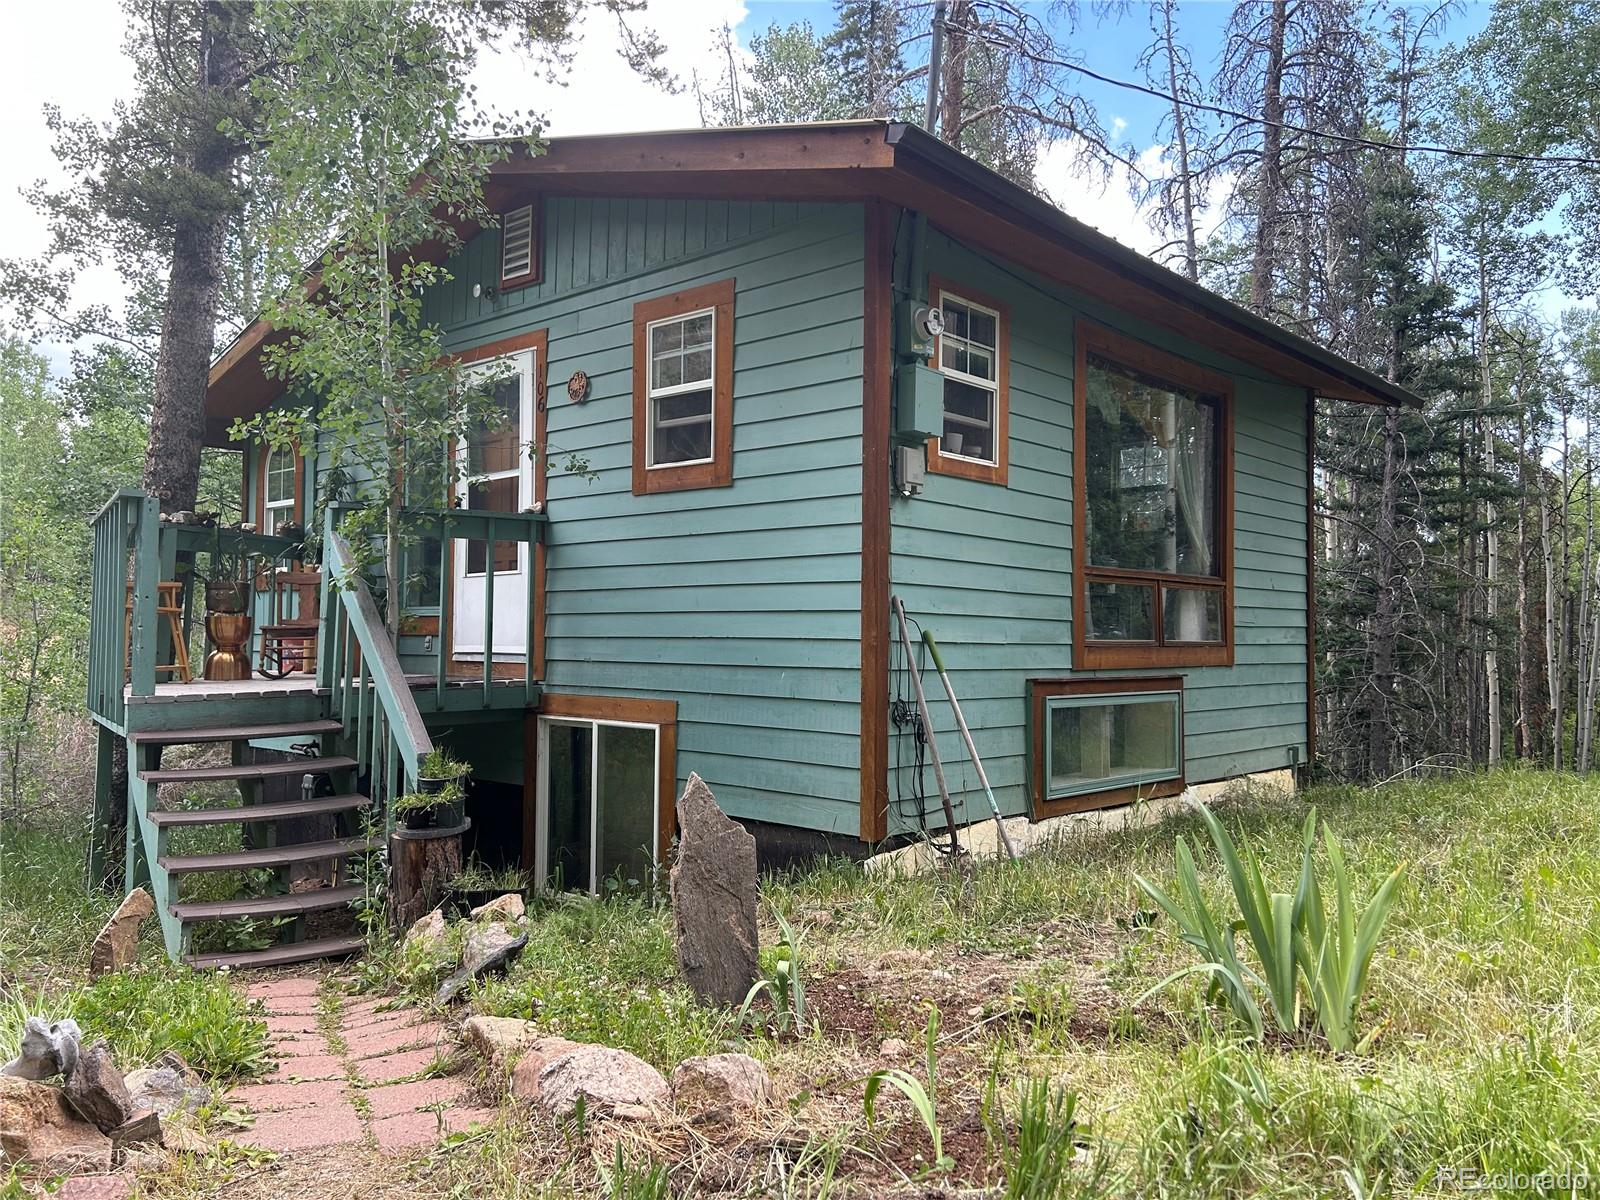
point(714, 899)
point(166, 1086)
point(95, 1088)
point(428, 937)
point(502, 908)
point(490, 947)
point(37, 1124)
point(498, 1039)
point(539, 1054)
point(47, 1049)
point(606, 1079)
point(719, 1087)
point(117, 946)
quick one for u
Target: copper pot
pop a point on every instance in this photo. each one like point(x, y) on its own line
point(230, 634)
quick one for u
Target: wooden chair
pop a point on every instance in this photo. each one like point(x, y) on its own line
point(169, 604)
point(289, 639)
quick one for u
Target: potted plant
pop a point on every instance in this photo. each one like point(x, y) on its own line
point(478, 884)
point(443, 809)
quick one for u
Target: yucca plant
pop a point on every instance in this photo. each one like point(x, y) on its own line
point(1290, 936)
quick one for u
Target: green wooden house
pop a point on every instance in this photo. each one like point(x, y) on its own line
point(811, 368)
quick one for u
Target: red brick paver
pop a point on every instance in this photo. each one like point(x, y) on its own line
point(308, 1101)
point(94, 1187)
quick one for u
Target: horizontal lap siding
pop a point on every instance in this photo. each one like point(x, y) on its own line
point(741, 603)
point(989, 569)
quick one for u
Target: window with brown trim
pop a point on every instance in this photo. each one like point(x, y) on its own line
point(1094, 743)
point(280, 488)
point(519, 247)
point(1153, 497)
point(683, 390)
point(974, 356)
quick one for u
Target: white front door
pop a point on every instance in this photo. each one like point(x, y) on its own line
point(496, 476)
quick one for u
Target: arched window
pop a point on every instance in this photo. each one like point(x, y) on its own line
point(279, 489)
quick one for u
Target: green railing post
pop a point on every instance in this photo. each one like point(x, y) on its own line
point(446, 586)
point(488, 617)
point(146, 574)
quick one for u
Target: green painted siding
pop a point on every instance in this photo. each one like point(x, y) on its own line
point(741, 603)
point(989, 569)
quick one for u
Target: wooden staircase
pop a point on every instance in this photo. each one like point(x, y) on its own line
point(258, 823)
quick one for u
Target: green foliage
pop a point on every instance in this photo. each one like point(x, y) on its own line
point(438, 763)
point(923, 1099)
point(1035, 1141)
point(625, 1179)
point(784, 982)
point(1291, 935)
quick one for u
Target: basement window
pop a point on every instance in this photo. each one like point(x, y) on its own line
point(1099, 742)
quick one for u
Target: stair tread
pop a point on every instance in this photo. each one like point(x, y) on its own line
point(271, 856)
point(275, 811)
point(293, 904)
point(232, 733)
point(289, 952)
point(268, 770)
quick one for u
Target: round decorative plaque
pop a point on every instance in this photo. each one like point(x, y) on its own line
point(578, 387)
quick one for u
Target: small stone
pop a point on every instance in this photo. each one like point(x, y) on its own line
point(95, 1088)
point(498, 1039)
point(719, 1087)
point(166, 1086)
point(47, 1049)
point(713, 887)
point(490, 947)
point(539, 1054)
point(893, 1048)
point(146, 1127)
point(185, 1139)
point(604, 1077)
point(502, 908)
point(94, 1187)
point(428, 937)
point(39, 1126)
point(116, 947)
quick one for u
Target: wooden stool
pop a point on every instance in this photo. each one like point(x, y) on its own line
point(169, 604)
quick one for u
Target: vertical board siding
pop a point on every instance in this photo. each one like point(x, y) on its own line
point(741, 603)
point(989, 569)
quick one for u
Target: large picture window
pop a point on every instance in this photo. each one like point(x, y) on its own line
point(1153, 487)
point(683, 390)
point(1098, 742)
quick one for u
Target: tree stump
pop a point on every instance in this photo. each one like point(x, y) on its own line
point(422, 862)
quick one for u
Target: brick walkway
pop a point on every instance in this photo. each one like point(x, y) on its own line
point(370, 1090)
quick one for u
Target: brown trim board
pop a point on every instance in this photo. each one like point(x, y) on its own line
point(1040, 690)
point(876, 370)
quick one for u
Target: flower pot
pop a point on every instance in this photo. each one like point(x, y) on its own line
point(228, 596)
point(230, 634)
point(422, 818)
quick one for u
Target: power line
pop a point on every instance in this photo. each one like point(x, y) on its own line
point(1572, 160)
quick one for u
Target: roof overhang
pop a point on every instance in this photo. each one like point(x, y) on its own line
point(856, 161)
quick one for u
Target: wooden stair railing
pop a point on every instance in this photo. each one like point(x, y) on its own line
point(367, 688)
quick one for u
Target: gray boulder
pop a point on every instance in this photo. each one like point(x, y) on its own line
point(714, 899)
point(607, 1080)
point(47, 1049)
point(490, 947)
point(166, 1086)
point(96, 1089)
point(719, 1087)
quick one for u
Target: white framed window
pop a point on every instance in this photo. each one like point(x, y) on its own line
point(517, 246)
point(278, 480)
point(680, 401)
point(496, 466)
point(598, 804)
point(969, 358)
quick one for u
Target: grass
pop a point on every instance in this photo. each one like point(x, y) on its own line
point(1483, 1006)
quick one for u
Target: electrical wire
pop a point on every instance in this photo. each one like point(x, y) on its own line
point(1542, 160)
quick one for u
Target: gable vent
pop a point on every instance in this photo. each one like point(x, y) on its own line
point(516, 244)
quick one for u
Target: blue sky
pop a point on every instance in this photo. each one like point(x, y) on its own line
point(1110, 46)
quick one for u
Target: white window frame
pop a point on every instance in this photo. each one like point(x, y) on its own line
point(523, 366)
point(541, 816)
point(992, 386)
point(652, 393)
point(269, 506)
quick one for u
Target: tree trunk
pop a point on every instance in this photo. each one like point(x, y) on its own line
point(1269, 180)
point(1491, 537)
point(1385, 631)
point(953, 71)
point(1191, 253)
